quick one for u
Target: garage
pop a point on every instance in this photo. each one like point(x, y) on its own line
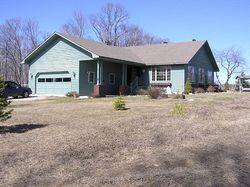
point(53, 83)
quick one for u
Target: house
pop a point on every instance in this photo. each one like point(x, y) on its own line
point(64, 63)
point(243, 82)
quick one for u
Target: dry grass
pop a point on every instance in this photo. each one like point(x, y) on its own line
point(64, 141)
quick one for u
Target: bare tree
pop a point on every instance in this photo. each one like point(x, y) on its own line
point(17, 38)
point(108, 23)
point(134, 35)
point(76, 26)
point(231, 61)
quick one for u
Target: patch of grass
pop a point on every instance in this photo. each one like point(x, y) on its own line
point(179, 109)
point(84, 142)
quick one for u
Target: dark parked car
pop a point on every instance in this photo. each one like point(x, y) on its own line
point(13, 89)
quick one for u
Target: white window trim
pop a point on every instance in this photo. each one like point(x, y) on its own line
point(170, 68)
point(114, 78)
point(90, 82)
point(166, 74)
point(202, 75)
point(192, 78)
point(209, 76)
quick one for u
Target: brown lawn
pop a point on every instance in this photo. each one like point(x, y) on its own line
point(63, 141)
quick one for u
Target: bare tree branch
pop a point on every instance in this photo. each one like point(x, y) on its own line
point(17, 38)
point(108, 24)
point(231, 61)
point(77, 26)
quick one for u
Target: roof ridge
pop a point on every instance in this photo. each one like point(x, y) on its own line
point(167, 44)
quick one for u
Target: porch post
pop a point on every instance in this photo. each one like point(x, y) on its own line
point(124, 74)
point(99, 72)
point(99, 89)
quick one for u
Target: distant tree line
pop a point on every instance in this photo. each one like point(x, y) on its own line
point(18, 37)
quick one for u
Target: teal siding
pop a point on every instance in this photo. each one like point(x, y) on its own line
point(116, 68)
point(108, 67)
point(200, 60)
point(58, 56)
point(144, 79)
point(86, 88)
point(178, 78)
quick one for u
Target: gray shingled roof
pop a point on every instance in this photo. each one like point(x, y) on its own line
point(104, 50)
point(156, 54)
point(170, 53)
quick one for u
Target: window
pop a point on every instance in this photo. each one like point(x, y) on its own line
point(111, 78)
point(153, 73)
point(191, 74)
point(201, 75)
point(58, 79)
point(209, 77)
point(161, 73)
point(12, 85)
point(168, 73)
point(49, 80)
point(67, 79)
point(41, 80)
point(91, 77)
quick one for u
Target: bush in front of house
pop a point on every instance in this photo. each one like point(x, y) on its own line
point(4, 103)
point(179, 109)
point(211, 89)
point(154, 92)
point(72, 94)
point(142, 92)
point(119, 103)
point(199, 90)
point(188, 87)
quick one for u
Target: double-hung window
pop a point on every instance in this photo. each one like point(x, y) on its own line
point(191, 73)
point(91, 77)
point(111, 78)
point(209, 77)
point(161, 73)
point(201, 75)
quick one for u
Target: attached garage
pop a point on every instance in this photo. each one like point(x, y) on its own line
point(53, 83)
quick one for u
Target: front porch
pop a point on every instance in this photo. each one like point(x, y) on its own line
point(108, 77)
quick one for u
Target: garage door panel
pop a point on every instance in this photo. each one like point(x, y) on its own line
point(53, 84)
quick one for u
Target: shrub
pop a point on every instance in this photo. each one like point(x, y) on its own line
point(142, 92)
point(199, 90)
point(4, 103)
point(226, 87)
point(154, 92)
point(72, 94)
point(211, 88)
point(188, 87)
point(177, 96)
point(179, 109)
point(119, 103)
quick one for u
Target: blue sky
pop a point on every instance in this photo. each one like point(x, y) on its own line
point(224, 23)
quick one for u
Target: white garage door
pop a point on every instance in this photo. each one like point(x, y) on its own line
point(50, 83)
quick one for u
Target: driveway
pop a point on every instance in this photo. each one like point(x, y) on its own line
point(33, 97)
